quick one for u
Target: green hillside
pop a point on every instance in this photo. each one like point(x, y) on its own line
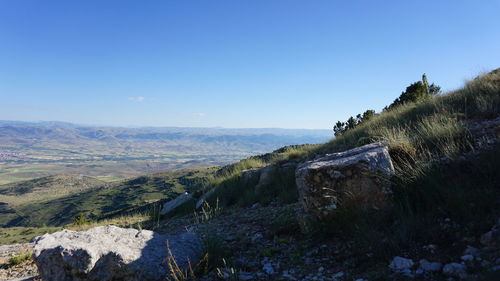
point(35, 208)
point(51, 185)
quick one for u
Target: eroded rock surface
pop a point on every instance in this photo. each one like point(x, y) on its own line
point(173, 204)
point(113, 253)
point(359, 176)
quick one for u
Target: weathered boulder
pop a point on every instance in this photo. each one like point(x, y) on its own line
point(265, 177)
point(402, 267)
point(399, 264)
point(108, 253)
point(206, 196)
point(173, 204)
point(358, 176)
point(454, 269)
point(492, 237)
point(249, 173)
point(427, 266)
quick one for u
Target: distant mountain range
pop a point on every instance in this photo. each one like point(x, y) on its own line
point(34, 149)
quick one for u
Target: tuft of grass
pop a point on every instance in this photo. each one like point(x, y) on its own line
point(121, 221)
point(227, 272)
point(284, 222)
point(19, 259)
point(176, 273)
point(207, 212)
point(216, 250)
point(154, 214)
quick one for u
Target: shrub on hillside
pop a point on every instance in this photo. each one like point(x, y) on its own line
point(416, 92)
point(80, 219)
point(351, 123)
point(19, 259)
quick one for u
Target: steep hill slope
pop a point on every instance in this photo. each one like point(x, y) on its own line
point(51, 203)
point(14, 196)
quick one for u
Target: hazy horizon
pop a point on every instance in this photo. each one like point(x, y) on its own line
point(158, 127)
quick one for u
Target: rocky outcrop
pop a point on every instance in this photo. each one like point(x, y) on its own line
point(401, 266)
point(265, 177)
point(359, 176)
point(454, 269)
point(492, 237)
point(173, 204)
point(206, 196)
point(113, 253)
point(427, 266)
point(249, 173)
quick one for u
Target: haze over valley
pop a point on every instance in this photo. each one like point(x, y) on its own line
point(31, 150)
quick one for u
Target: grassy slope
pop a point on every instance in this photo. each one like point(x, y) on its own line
point(16, 195)
point(47, 186)
point(102, 201)
point(422, 131)
point(432, 183)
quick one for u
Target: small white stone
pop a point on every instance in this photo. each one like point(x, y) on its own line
point(455, 270)
point(288, 276)
point(257, 236)
point(485, 263)
point(268, 268)
point(338, 275)
point(471, 251)
point(400, 264)
point(245, 276)
point(426, 265)
point(467, 258)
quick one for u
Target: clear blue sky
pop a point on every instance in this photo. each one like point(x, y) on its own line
point(234, 63)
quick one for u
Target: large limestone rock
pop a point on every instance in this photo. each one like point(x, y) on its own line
point(492, 237)
point(206, 196)
point(107, 253)
point(249, 173)
point(265, 177)
point(358, 176)
point(173, 204)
